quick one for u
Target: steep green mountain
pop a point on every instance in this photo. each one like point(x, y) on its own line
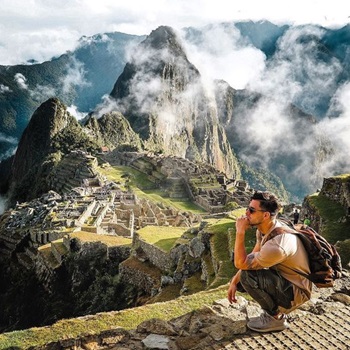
point(51, 133)
point(162, 95)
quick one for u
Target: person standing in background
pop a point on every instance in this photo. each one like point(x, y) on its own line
point(295, 216)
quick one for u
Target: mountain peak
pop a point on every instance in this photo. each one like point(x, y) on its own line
point(164, 37)
point(161, 35)
point(51, 132)
point(158, 56)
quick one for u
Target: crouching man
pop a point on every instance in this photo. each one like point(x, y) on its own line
point(268, 274)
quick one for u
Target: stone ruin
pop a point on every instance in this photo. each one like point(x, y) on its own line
point(75, 168)
point(38, 232)
point(182, 178)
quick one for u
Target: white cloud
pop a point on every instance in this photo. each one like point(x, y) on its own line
point(40, 29)
point(107, 105)
point(74, 77)
point(21, 81)
point(73, 110)
point(223, 54)
point(295, 60)
point(41, 93)
point(336, 131)
point(8, 139)
point(4, 88)
point(11, 145)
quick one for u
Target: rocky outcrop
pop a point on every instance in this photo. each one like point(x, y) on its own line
point(113, 130)
point(337, 188)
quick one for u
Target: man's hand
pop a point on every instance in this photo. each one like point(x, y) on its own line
point(242, 224)
point(240, 255)
point(231, 293)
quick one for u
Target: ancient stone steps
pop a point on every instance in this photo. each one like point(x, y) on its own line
point(48, 256)
point(58, 249)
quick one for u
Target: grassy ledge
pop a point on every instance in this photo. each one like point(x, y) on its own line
point(95, 324)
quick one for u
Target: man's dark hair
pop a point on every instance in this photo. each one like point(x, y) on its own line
point(268, 201)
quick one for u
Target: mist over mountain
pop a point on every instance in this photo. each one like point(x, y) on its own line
point(277, 93)
point(79, 79)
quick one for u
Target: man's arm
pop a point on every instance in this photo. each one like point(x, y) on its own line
point(242, 260)
point(231, 293)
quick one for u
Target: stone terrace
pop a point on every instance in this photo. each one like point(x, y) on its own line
point(181, 178)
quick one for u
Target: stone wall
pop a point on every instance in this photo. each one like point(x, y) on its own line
point(119, 229)
point(338, 189)
point(145, 277)
point(86, 213)
point(155, 255)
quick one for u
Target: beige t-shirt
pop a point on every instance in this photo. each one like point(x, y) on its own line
point(286, 251)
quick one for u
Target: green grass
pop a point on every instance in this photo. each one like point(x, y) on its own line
point(95, 324)
point(194, 284)
point(333, 228)
point(159, 196)
point(162, 237)
point(146, 267)
point(123, 173)
point(343, 177)
point(167, 293)
point(110, 241)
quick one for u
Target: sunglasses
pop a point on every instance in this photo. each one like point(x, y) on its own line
point(253, 210)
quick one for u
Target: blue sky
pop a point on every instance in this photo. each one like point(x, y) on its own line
point(40, 29)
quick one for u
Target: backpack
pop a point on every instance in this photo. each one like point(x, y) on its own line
point(324, 260)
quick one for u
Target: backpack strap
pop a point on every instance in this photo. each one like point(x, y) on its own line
point(279, 230)
point(286, 229)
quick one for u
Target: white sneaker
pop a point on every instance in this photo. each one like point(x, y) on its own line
point(267, 323)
